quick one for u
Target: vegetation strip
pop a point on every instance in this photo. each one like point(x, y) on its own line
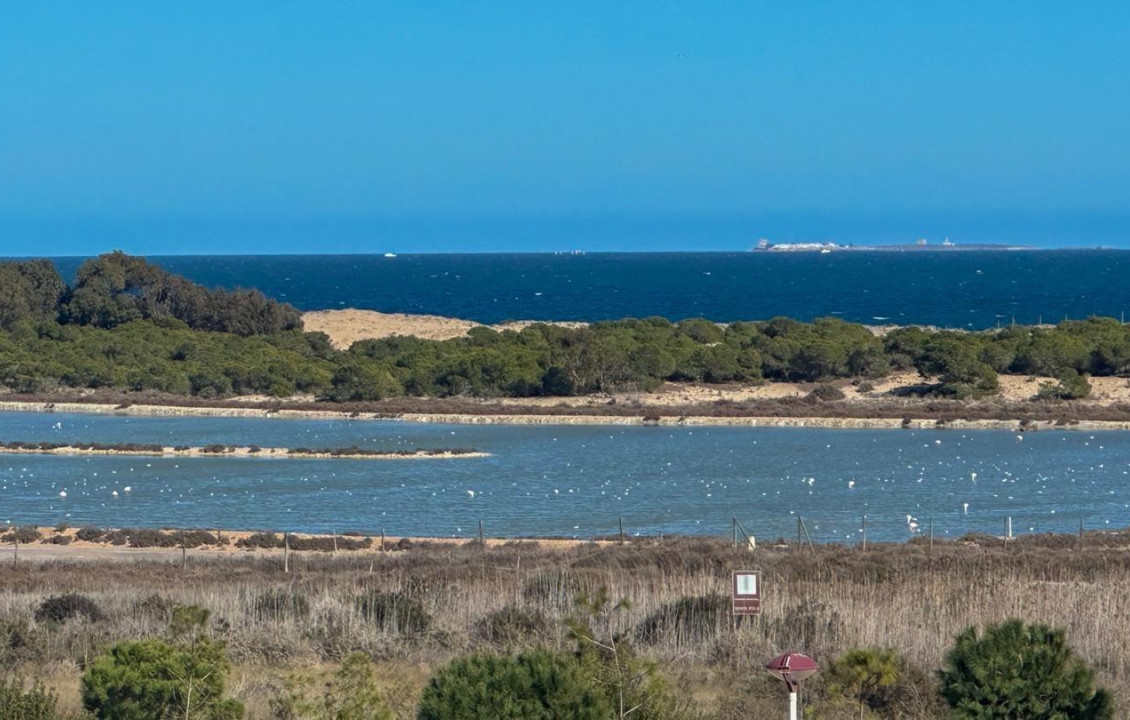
point(356, 453)
point(130, 326)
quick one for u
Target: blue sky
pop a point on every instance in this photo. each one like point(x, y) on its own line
point(479, 126)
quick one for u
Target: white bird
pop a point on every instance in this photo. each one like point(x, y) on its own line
point(471, 494)
point(114, 493)
point(973, 477)
point(127, 488)
point(965, 508)
point(62, 493)
point(851, 484)
point(1019, 437)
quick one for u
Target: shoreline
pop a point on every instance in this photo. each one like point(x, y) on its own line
point(240, 452)
point(641, 417)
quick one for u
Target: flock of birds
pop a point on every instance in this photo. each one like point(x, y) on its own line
point(688, 480)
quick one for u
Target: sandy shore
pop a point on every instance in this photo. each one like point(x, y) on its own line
point(75, 549)
point(246, 452)
point(517, 418)
point(346, 327)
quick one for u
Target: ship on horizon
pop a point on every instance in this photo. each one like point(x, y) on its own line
point(920, 245)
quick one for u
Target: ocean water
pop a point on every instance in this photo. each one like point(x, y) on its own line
point(967, 289)
point(574, 481)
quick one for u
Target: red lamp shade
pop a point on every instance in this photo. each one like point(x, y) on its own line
point(792, 668)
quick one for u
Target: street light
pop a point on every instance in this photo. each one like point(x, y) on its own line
point(792, 668)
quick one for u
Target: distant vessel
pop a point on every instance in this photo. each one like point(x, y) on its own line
point(390, 254)
point(921, 244)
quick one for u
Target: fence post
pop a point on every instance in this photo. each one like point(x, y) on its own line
point(865, 533)
point(799, 542)
point(1080, 533)
point(481, 540)
point(621, 530)
point(382, 540)
point(16, 555)
point(931, 536)
point(286, 552)
point(183, 557)
point(734, 531)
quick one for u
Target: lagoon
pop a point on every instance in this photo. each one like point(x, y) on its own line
point(571, 481)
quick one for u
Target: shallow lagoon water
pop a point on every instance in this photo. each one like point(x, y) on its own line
point(571, 480)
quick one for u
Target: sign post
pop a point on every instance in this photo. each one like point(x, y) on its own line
point(745, 590)
point(792, 668)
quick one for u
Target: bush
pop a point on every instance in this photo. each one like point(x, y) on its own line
point(22, 535)
point(687, 620)
point(34, 703)
point(89, 534)
point(1071, 386)
point(534, 685)
point(279, 605)
point(1015, 670)
point(61, 608)
point(826, 393)
point(260, 540)
point(865, 676)
point(512, 627)
point(153, 678)
point(394, 612)
point(349, 693)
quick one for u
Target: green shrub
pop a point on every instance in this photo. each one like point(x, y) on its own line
point(20, 703)
point(826, 393)
point(533, 685)
point(1071, 386)
point(865, 677)
point(61, 608)
point(394, 612)
point(89, 534)
point(1015, 670)
point(153, 678)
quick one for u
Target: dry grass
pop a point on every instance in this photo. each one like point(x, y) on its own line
point(822, 601)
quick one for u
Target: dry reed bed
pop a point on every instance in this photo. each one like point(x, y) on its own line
point(821, 600)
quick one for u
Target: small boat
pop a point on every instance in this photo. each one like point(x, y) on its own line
point(390, 254)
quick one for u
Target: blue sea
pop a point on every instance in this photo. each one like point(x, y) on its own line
point(966, 289)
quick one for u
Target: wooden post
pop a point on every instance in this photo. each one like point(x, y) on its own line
point(382, 540)
point(864, 533)
point(931, 536)
point(1080, 533)
point(481, 540)
point(183, 557)
point(734, 530)
point(799, 525)
point(16, 554)
point(286, 552)
point(335, 542)
point(621, 530)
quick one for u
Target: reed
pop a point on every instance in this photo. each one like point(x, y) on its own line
point(821, 600)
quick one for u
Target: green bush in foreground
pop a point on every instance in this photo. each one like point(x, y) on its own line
point(534, 686)
point(154, 679)
point(18, 703)
point(1015, 670)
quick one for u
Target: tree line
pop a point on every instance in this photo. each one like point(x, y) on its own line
point(128, 325)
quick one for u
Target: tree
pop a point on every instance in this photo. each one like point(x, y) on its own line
point(632, 686)
point(29, 292)
point(534, 686)
point(349, 693)
point(1016, 670)
point(863, 675)
point(955, 360)
point(34, 703)
point(146, 679)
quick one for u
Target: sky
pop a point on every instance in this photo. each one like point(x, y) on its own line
point(338, 126)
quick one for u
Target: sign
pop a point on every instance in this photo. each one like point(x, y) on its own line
point(746, 589)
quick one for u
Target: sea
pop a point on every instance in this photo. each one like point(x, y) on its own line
point(960, 289)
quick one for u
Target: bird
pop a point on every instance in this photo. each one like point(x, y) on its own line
point(62, 493)
point(965, 508)
point(851, 484)
point(114, 493)
point(127, 488)
point(973, 477)
point(471, 494)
